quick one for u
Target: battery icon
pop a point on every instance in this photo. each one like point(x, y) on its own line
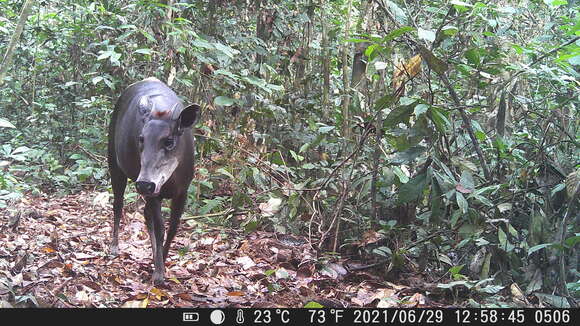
point(190, 316)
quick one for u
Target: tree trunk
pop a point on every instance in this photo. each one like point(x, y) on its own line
point(359, 66)
point(380, 88)
point(7, 60)
point(303, 56)
point(346, 130)
point(325, 62)
point(210, 18)
point(264, 21)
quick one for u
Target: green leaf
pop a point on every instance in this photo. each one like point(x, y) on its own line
point(202, 44)
point(6, 124)
point(228, 51)
point(413, 189)
point(372, 50)
point(226, 73)
point(396, 33)
point(485, 268)
point(538, 247)
point(436, 200)
point(296, 157)
point(453, 284)
point(456, 269)
point(270, 272)
point(97, 79)
point(461, 202)
point(104, 55)
point(466, 181)
point(384, 102)
point(439, 119)
point(474, 56)
point(226, 173)
point(455, 217)
point(398, 115)
point(144, 51)
point(357, 40)
point(420, 109)
point(450, 30)
point(224, 101)
point(403, 178)
point(572, 241)
point(326, 129)
point(251, 226)
point(461, 6)
point(502, 238)
point(492, 289)
point(408, 155)
point(313, 304)
point(427, 35)
point(399, 14)
point(148, 36)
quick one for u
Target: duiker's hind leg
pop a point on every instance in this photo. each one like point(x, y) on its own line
point(119, 182)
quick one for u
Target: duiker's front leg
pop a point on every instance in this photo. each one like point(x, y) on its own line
point(177, 206)
point(156, 233)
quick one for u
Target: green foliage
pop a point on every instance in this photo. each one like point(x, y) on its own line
point(271, 152)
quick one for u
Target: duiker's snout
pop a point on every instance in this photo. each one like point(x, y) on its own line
point(145, 188)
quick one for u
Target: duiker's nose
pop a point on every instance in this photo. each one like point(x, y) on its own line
point(145, 187)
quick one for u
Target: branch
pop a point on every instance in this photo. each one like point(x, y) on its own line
point(15, 37)
point(540, 58)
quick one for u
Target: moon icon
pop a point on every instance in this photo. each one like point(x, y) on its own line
point(217, 317)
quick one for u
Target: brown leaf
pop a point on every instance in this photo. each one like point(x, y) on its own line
point(370, 237)
point(436, 64)
point(384, 293)
point(183, 296)
point(246, 262)
point(405, 71)
point(47, 249)
point(417, 299)
point(158, 294)
point(80, 256)
point(136, 304)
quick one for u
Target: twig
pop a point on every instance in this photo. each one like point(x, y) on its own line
point(58, 289)
point(359, 268)
point(327, 180)
point(467, 123)
point(423, 240)
point(96, 157)
point(224, 212)
point(540, 58)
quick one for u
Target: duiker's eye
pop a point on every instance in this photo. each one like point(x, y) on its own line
point(169, 143)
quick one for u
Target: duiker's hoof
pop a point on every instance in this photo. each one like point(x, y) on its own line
point(114, 251)
point(158, 279)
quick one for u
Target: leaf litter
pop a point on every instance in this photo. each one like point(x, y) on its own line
point(58, 256)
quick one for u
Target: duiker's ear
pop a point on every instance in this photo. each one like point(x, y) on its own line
point(145, 106)
point(188, 116)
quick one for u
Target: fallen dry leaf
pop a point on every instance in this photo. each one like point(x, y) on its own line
point(246, 262)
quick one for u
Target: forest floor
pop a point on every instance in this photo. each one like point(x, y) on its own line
point(54, 252)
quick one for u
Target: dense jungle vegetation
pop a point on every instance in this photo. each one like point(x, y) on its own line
point(437, 139)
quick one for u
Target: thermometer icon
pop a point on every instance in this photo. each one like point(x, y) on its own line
point(240, 316)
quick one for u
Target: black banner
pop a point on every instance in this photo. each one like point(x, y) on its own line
point(281, 316)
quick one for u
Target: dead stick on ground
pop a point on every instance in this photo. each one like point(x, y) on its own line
point(225, 212)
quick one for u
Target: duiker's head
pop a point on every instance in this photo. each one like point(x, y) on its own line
point(160, 142)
